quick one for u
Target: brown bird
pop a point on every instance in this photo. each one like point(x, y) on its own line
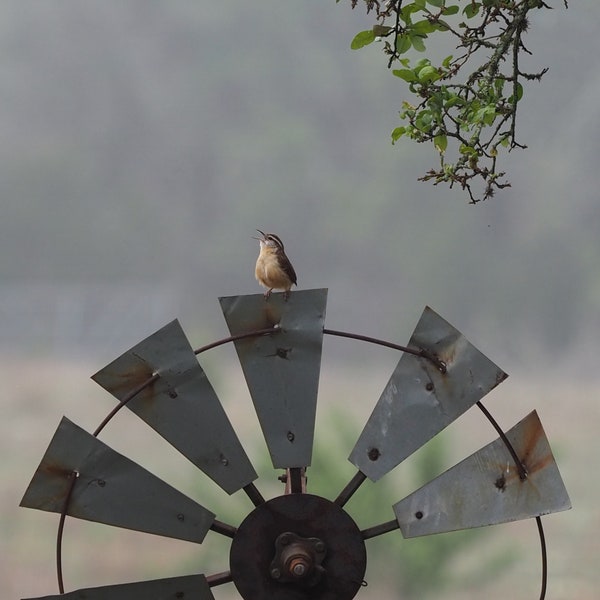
point(273, 268)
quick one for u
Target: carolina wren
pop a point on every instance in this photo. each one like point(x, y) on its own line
point(273, 268)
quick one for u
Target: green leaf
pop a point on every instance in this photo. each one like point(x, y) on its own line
point(450, 10)
point(471, 10)
point(441, 143)
point(428, 74)
point(519, 92)
point(489, 115)
point(406, 74)
point(363, 38)
point(446, 62)
point(454, 100)
point(398, 133)
point(422, 27)
point(418, 43)
point(403, 44)
point(424, 120)
point(468, 150)
point(438, 3)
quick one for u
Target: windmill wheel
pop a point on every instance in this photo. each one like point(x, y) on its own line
point(298, 545)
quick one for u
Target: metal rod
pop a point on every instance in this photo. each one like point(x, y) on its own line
point(223, 528)
point(132, 394)
point(544, 557)
point(254, 495)
point(520, 467)
point(59, 536)
point(295, 480)
point(239, 336)
point(372, 532)
point(440, 364)
point(219, 578)
point(349, 490)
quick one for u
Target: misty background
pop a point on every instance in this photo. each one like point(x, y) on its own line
point(143, 142)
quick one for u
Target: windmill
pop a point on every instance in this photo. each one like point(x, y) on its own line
point(297, 545)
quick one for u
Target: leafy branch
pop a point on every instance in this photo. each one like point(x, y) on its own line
point(469, 113)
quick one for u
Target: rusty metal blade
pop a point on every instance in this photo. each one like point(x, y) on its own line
point(188, 586)
point(485, 488)
point(282, 369)
point(111, 489)
point(181, 405)
point(419, 400)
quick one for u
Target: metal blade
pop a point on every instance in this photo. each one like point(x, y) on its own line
point(485, 488)
point(111, 489)
point(181, 405)
point(419, 400)
point(189, 586)
point(282, 369)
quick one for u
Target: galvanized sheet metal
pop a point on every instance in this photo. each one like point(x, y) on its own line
point(181, 405)
point(419, 400)
point(173, 588)
point(282, 369)
point(111, 489)
point(485, 488)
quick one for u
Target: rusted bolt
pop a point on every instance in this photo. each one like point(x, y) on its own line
point(172, 394)
point(284, 540)
point(224, 461)
point(290, 436)
point(275, 573)
point(299, 566)
point(319, 547)
point(500, 483)
point(429, 387)
point(180, 517)
point(419, 515)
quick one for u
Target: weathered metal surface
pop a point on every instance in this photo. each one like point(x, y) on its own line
point(485, 488)
point(181, 405)
point(111, 489)
point(419, 400)
point(173, 588)
point(329, 540)
point(282, 369)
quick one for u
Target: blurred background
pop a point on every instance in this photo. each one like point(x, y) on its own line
point(142, 143)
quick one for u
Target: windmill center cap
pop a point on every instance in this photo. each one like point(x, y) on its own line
point(298, 546)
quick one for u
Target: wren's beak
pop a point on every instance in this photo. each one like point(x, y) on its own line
point(262, 239)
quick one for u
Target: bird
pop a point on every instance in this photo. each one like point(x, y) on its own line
point(273, 268)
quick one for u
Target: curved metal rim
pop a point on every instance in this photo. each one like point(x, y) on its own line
point(253, 493)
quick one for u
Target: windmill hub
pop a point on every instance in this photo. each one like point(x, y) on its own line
point(298, 546)
point(298, 559)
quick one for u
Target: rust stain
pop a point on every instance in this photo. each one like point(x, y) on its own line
point(56, 470)
point(447, 355)
point(271, 315)
point(121, 383)
point(531, 438)
point(526, 447)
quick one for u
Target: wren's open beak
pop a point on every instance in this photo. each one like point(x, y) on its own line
point(262, 239)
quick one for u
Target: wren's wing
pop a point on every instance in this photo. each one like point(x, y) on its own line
point(286, 265)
